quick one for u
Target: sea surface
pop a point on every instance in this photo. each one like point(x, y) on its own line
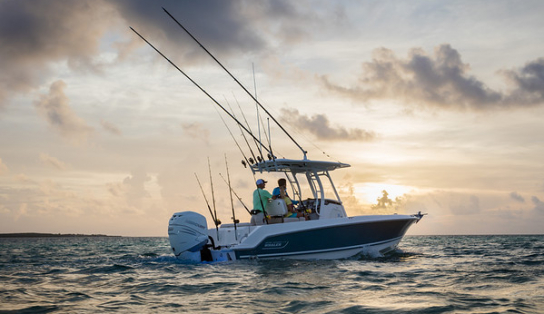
point(428, 274)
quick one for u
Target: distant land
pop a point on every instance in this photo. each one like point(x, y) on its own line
point(50, 235)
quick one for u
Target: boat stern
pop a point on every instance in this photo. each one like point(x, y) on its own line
point(188, 233)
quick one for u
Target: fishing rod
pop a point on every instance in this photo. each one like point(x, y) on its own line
point(260, 118)
point(249, 128)
point(238, 197)
point(195, 83)
point(269, 138)
point(234, 139)
point(211, 183)
point(249, 146)
point(231, 201)
point(236, 80)
point(216, 221)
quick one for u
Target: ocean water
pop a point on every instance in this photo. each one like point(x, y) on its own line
point(428, 274)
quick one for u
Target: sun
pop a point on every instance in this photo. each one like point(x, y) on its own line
point(370, 192)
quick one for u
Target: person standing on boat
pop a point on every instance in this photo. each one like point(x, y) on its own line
point(281, 192)
point(260, 199)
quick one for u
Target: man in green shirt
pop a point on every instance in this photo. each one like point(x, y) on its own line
point(260, 199)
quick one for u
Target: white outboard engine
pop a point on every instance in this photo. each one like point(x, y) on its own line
point(188, 233)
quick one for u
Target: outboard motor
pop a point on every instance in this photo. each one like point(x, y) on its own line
point(188, 233)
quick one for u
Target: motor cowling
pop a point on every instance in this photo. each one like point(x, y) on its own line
point(187, 232)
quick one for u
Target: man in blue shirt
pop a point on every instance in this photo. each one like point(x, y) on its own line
point(281, 192)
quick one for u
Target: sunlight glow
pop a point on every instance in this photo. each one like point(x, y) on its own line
point(370, 192)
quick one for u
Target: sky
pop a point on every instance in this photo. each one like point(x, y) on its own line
point(437, 103)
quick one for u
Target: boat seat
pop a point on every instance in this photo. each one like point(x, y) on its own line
point(276, 208)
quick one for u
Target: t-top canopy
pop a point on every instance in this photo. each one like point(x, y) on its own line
point(297, 165)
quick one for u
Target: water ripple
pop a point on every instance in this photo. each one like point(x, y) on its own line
point(428, 274)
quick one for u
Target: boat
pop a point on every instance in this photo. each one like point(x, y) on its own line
point(321, 230)
point(326, 233)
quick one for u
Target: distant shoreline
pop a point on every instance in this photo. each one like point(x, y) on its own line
point(51, 235)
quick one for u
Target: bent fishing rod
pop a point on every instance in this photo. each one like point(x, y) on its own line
point(236, 80)
point(196, 84)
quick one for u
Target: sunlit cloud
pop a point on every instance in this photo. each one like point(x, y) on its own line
point(440, 80)
point(320, 127)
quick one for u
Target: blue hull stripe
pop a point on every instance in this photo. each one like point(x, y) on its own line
point(328, 239)
point(316, 252)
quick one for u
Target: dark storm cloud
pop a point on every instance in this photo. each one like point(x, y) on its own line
point(441, 80)
point(226, 28)
point(319, 126)
point(219, 25)
point(34, 35)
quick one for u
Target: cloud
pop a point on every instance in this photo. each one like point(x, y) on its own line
point(515, 196)
point(196, 130)
point(134, 188)
point(3, 168)
point(53, 162)
point(56, 110)
point(319, 126)
point(131, 194)
point(36, 34)
point(440, 80)
point(385, 202)
point(539, 205)
point(529, 82)
point(228, 28)
point(111, 128)
point(465, 204)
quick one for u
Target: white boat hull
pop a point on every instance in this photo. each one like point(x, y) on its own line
point(320, 239)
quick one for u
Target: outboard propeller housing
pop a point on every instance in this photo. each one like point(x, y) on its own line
point(188, 233)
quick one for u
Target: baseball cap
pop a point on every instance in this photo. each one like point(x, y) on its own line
point(261, 181)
